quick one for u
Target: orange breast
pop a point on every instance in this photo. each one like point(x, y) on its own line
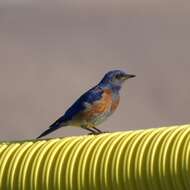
point(115, 104)
point(101, 106)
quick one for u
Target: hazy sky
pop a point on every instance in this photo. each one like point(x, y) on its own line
point(50, 53)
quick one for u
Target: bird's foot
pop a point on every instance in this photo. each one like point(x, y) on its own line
point(94, 133)
point(105, 132)
point(98, 133)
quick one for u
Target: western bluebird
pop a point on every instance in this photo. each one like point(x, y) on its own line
point(94, 106)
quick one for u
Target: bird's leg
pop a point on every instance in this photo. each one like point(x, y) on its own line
point(99, 131)
point(88, 129)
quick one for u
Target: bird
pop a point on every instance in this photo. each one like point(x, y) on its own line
point(94, 106)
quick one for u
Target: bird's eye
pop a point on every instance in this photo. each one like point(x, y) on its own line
point(118, 76)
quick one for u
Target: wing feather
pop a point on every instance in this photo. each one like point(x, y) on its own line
point(83, 103)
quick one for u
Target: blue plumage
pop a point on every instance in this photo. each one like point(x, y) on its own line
point(89, 97)
point(94, 106)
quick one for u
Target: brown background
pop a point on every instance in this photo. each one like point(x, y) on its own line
point(50, 53)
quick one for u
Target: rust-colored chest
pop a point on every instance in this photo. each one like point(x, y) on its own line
point(111, 100)
point(103, 107)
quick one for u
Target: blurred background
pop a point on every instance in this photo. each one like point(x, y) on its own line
point(53, 51)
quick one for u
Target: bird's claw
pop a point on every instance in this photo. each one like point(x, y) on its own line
point(105, 132)
point(93, 133)
point(98, 133)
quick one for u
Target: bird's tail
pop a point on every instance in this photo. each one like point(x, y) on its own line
point(52, 128)
point(48, 131)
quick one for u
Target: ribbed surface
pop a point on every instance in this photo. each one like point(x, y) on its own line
point(154, 159)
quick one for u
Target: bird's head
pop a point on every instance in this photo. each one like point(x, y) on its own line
point(115, 79)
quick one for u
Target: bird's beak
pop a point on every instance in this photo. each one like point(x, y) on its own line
point(127, 76)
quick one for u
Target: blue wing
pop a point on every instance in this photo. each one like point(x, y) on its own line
point(90, 96)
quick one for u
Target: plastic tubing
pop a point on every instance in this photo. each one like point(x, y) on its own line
point(151, 159)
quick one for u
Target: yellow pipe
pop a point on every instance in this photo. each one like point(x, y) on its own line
point(151, 159)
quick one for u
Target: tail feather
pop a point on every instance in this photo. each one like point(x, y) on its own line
point(56, 125)
point(52, 128)
point(48, 131)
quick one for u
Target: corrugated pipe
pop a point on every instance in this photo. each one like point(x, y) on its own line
point(153, 159)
